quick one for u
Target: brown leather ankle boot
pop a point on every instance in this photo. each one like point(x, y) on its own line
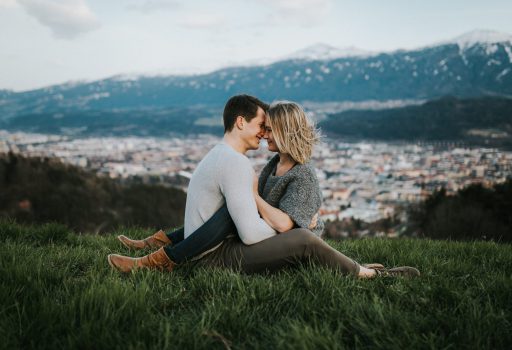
point(157, 240)
point(155, 261)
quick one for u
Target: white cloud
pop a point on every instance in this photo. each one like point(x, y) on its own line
point(151, 6)
point(67, 19)
point(7, 3)
point(306, 12)
point(301, 5)
point(202, 21)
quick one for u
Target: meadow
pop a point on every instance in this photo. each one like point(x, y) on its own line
point(58, 291)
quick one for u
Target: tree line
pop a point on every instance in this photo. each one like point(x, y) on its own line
point(473, 213)
point(38, 190)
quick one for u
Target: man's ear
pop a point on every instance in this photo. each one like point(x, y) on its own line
point(240, 122)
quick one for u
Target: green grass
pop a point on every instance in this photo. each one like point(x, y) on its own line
point(58, 291)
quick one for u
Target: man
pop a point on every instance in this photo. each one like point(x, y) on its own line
point(224, 176)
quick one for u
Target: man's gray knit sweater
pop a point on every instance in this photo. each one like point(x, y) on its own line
point(225, 176)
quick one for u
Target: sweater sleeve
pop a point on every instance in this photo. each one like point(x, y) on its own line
point(301, 200)
point(236, 186)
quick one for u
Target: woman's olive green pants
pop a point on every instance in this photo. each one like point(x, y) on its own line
point(289, 248)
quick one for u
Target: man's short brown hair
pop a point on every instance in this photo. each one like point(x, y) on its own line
point(244, 105)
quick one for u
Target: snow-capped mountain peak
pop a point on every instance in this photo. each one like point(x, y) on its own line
point(128, 77)
point(475, 37)
point(325, 52)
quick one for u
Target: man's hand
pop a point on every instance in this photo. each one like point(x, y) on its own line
point(314, 221)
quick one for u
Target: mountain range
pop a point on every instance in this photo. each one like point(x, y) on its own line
point(476, 64)
point(484, 121)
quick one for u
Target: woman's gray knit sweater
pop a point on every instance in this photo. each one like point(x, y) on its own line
point(297, 192)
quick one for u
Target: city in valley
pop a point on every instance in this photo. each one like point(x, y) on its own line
point(368, 181)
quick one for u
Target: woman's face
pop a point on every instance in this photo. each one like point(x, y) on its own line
point(270, 139)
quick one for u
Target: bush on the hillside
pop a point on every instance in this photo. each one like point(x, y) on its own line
point(475, 212)
point(356, 228)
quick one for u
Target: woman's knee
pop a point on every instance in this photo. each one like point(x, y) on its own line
point(304, 237)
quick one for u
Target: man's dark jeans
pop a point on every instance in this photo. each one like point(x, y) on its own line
point(206, 237)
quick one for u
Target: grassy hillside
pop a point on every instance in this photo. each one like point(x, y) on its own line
point(57, 291)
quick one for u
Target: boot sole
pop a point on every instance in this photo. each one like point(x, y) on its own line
point(110, 262)
point(405, 271)
point(374, 266)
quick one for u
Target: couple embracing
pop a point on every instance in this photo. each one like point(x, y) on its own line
point(236, 220)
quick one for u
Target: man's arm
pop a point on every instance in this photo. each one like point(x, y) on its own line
point(236, 185)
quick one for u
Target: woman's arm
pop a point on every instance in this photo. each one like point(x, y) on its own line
point(278, 219)
point(275, 217)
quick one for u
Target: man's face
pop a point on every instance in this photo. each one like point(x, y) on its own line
point(254, 130)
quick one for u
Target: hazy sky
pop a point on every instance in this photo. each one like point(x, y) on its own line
point(46, 42)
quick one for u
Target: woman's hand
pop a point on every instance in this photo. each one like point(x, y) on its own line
point(314, 221)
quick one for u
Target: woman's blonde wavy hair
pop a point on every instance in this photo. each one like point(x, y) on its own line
point(294, 132)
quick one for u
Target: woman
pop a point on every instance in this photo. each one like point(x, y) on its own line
point(288, 198)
